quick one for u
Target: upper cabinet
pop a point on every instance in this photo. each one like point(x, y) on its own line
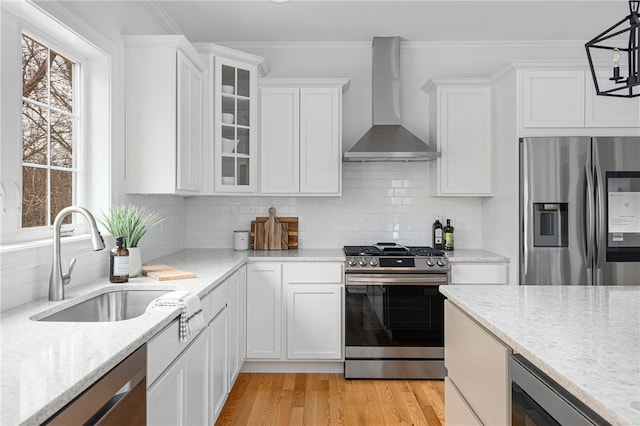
point(231, 152)
point(460, 120)
point(163, 77)
point(563, 97)
point(301, 136)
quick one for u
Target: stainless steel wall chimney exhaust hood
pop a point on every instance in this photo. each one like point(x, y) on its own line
point(388, 140)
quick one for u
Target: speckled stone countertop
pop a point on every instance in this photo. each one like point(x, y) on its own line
point(475, 256)
point(44, 365)
point(585, 338)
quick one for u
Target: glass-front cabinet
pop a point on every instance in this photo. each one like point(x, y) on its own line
point(234, 143)
point(230, 150)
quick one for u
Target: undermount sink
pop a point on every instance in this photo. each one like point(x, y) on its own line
point(115, 305)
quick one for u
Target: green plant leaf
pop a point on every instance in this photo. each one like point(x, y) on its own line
point(130, 222)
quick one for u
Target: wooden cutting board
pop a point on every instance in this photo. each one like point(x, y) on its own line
point(256, 239)
point(165, 273)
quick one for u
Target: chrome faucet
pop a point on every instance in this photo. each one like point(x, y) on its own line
point(58, 279)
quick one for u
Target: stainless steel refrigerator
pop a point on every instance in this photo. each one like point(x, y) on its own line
point(580, 211)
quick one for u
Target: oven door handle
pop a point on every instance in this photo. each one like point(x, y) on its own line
point(397, 281)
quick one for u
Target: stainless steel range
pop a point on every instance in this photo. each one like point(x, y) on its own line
point(394, 312)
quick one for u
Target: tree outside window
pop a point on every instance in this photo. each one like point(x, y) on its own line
point(48, 123)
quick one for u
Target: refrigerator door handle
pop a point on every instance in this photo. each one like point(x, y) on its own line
point(600, 216)
point(590, 231)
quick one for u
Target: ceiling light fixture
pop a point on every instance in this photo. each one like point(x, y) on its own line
point(279, 1)
point(625, 52)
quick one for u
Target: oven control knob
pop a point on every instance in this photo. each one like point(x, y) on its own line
point(352, 262)
point(362, 262)
point(430, 262)
point(373, 262)
point(441, 262)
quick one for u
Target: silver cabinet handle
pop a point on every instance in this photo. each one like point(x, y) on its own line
point(397, 281)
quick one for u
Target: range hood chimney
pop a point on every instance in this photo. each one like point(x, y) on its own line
point(388, 140)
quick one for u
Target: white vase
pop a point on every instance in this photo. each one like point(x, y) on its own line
point(135, 261)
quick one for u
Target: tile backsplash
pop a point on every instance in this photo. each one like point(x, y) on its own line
point(386, 201)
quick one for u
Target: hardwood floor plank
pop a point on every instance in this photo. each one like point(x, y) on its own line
point(330, 399)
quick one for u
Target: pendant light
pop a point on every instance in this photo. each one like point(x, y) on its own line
point(621, 43)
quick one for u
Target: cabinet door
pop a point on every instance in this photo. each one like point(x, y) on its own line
point(188, 148)
point(264, 310)
point(465, 141)
point(164, 398)
point(233, 319)
point(279, 140)
point(481, 374)
point(242, 316)
point(553, 98)
point(196, 381)
point(608, 111)
point(456, 410)
point(218, 364)
point(320, 141)
point(314, 321)
point(235, 153)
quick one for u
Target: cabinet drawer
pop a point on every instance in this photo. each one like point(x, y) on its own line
point(456, 410)
point(477, 363)
point(162, 350)
point(480, 273)
point(313, 272)
point(206, 303)
point(219, 298)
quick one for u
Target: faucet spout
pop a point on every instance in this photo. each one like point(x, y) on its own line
point(58, 279)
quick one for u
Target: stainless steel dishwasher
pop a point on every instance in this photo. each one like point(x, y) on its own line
point(118, 397)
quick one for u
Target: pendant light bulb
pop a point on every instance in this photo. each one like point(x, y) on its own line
point(616, 57)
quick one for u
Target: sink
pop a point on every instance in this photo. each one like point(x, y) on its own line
point(116, 305)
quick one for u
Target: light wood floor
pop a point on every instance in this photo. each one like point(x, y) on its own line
point(329, 399)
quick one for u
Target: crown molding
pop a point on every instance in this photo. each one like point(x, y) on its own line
point(161, 17)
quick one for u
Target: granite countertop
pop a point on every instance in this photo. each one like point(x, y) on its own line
point(585, 338)
point(44, 365)
point(475, 256)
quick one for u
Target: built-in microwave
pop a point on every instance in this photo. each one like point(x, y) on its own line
point(537, 400)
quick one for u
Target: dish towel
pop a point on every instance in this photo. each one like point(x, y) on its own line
point(191, 318)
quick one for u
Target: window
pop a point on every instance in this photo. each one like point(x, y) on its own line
point(49, 129)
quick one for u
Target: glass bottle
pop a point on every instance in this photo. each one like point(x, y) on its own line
point(437, 234)
point(448, 236)
point(119, 262)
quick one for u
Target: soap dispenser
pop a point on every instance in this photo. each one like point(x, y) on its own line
point(119, 262)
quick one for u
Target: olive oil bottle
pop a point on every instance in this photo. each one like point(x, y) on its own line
point(119, 262)
point(448, 236)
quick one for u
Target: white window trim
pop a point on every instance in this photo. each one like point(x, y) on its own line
point(93, 186)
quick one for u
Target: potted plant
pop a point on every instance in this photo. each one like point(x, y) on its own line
point(130, 222)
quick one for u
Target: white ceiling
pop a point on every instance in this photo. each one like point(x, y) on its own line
point(418, 20)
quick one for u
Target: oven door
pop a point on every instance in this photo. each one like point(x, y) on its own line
point(394, 316)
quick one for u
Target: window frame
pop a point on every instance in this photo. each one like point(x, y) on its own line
point(79, 139)
point(93, 55)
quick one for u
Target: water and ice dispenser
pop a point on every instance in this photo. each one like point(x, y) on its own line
point(550, 224)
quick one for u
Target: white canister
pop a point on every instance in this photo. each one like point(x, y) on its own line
point(241, 240)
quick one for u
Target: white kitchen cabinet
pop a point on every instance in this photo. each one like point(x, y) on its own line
point(301, 136)
point(553, 98)
point(294, 311)
point(460, 117)
point(230, 149)
point(219, 386)
point(456, 410)
point(477, 366)
point(237, 320)
point(180, 394)
point(314, 294)
point(566, 98)
point(163, 75)
point(479, 273)
point(264, 310)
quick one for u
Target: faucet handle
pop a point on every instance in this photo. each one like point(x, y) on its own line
point(66, 278)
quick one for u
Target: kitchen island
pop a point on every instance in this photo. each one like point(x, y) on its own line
point(45, 365)
point(585, 338)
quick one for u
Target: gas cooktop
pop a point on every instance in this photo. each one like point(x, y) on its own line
point(391, 249)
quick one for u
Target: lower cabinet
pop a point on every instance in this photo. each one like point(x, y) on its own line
point(180, 395)
point(294, 311)
point(479, 273)
point(477, 384)
point(188, 382)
